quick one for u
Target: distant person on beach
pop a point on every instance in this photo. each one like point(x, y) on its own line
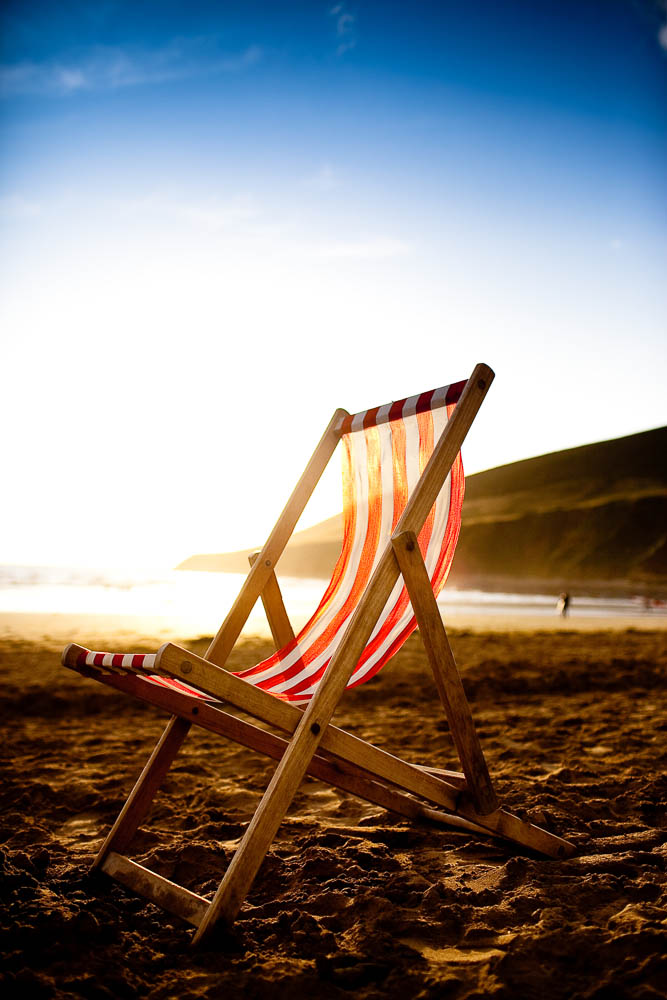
point(563, 604)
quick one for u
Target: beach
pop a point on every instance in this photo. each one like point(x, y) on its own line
point(351, 900)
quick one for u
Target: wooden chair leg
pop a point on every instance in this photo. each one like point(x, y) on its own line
point(143, 793)
point(274, 606)
point(447, 679)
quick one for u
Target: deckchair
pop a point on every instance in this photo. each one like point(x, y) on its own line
point(402, 496)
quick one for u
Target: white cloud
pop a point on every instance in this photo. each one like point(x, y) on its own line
point(69, 79)
point(15, 207)
point(379, 248)
point(216, 215)
point(662, 36)
point(323, 180)
point(110, 68)
point(212, 215)
point(346, 28)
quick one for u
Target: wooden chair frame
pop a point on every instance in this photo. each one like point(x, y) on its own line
point(314, 746)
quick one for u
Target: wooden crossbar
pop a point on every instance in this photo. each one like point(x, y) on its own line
point(183, 903)
point(336, 770)
point(338, 773)
point(174, 661)
point(177, 662)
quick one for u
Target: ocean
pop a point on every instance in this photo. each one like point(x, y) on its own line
point(197, 602)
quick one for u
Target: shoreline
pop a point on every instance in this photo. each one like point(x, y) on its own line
point(91, 629)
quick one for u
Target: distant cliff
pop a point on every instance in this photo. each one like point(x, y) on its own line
point(594, 513)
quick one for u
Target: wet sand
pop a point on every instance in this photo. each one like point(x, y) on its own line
point(351, 901)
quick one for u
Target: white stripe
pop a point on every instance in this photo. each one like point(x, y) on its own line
point(387, 474)
point(411, 451)
point(410, 405)
point(439, 397)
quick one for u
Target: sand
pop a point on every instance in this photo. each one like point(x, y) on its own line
point(351, 901)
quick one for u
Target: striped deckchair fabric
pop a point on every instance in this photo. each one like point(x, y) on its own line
point(385, 451)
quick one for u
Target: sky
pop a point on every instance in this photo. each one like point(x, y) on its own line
point(221, 221)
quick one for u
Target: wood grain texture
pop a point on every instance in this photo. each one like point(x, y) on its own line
point(339, 773)
point(174, 898)
point(174, 661)
point(505, 824)
point(274, 607)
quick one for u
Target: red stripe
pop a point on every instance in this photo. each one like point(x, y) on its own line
point(424, 401)
point(174, 685)
point(370, 417)
point(454, 392)
point(98, 659)
point(396, 410)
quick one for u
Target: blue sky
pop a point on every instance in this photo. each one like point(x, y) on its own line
point(216, 219)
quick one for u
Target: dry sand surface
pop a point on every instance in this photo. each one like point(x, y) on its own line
point(351, 901)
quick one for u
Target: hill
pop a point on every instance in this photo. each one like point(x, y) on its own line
point(596, 514)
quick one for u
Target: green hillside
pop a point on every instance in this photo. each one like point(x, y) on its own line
point(597, 513)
